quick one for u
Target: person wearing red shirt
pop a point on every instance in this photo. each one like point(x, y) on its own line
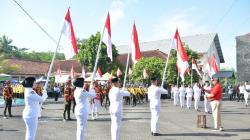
point(215, 96)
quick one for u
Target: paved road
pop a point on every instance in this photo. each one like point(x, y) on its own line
point(175, 123)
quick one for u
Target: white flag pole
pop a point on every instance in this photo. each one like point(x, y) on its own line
point(165, 69)
point(52, 63)
point(96, 60)
point(129, 51)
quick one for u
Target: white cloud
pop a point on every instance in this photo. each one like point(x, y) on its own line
point(117, 10)
point(167, 25)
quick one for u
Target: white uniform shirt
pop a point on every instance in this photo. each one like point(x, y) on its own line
point(207, 88)
point(31, 100)
point(197, 91)
point(189, 91)
point(242, 89)
point(175, 90)
point(182, 91)
point(247, 89)
point(115, 98)
point(154, 95)
point(82, 102)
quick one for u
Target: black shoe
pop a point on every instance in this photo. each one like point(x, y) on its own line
point(10, 115)
point(156, 134)
point(69, 119)
point(152, 133)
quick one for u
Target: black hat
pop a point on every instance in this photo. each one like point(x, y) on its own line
point(28, 82)
point(215, 79)
point(153, 78)
point(114, 79)
point(78, 82)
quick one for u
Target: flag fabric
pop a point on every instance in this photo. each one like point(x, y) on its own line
point(72, 72)
point(195, 67)
point(206, 67)
point(145, 74)
point(136, 53)
point(70, 48)
point(214, 66)
point(99, 73)
point(59, 72)
point(119, 72)
point(130, 71)
point(107, 37)
point(182, 58)
point(83, 75)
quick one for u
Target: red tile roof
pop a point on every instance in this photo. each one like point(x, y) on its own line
point(122, 58)
point(28, 67)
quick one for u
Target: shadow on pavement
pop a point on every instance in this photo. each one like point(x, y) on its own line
point(237, 130)
point(201, 134)
point(10, 130)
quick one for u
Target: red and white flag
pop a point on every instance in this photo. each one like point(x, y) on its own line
point(207, 68)
point(72, 72)
point(99, 73)
point(182, 58)
point(107, 37)
point(214, 68)
point(83, 72)
point(119, 72)
point(70, 48)
point(195, 67)
point(59, 72)
point(136, 53)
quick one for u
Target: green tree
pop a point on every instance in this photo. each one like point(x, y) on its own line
point(172, 72)
point(5, 67)
point(88, 51)
point(154, 66)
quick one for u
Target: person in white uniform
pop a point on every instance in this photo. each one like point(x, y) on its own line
point(241, 90)
point(246, 93)
point(81, 109)
point(154, 96)
point(189, 96)
point(115, 109)
point(32, 107)
point(182, 94)
point(207, 87)
point(197, 95)
point(175, 91)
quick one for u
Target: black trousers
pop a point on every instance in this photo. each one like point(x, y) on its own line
point(67, 107)
point(8, 104)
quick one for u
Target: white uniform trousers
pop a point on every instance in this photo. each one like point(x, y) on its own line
point(116, 119)
point(176, 99)
point(81, 121)
point(189, 101)
point(155, 114)
point(206, 104)
point(246, 95)
point(31, 127)
point(40, 112)
point(182, 101)
point(196, 102)
point(95, 108)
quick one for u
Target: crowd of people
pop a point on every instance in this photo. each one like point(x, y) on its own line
point(84, 100)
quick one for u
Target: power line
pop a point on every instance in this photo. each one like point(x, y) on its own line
point(39, 26)
point(226, 13)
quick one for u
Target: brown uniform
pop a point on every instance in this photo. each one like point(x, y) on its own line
point(68, 93)
point(7, 95)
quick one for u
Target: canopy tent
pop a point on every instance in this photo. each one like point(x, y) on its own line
point(224, 74)
point(4, 77)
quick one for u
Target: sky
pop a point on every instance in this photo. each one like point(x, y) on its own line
point(155, 20)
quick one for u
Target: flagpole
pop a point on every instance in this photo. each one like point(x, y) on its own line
point(165, 69)
point(178, 80)
point(52, 63)
point(97, 58)
point(124, 81)
point(191, 76)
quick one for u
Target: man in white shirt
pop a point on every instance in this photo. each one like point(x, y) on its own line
point(115, 97)
point(207, 87)
point(154, 95)
point(182, 91)
point(175, 92)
